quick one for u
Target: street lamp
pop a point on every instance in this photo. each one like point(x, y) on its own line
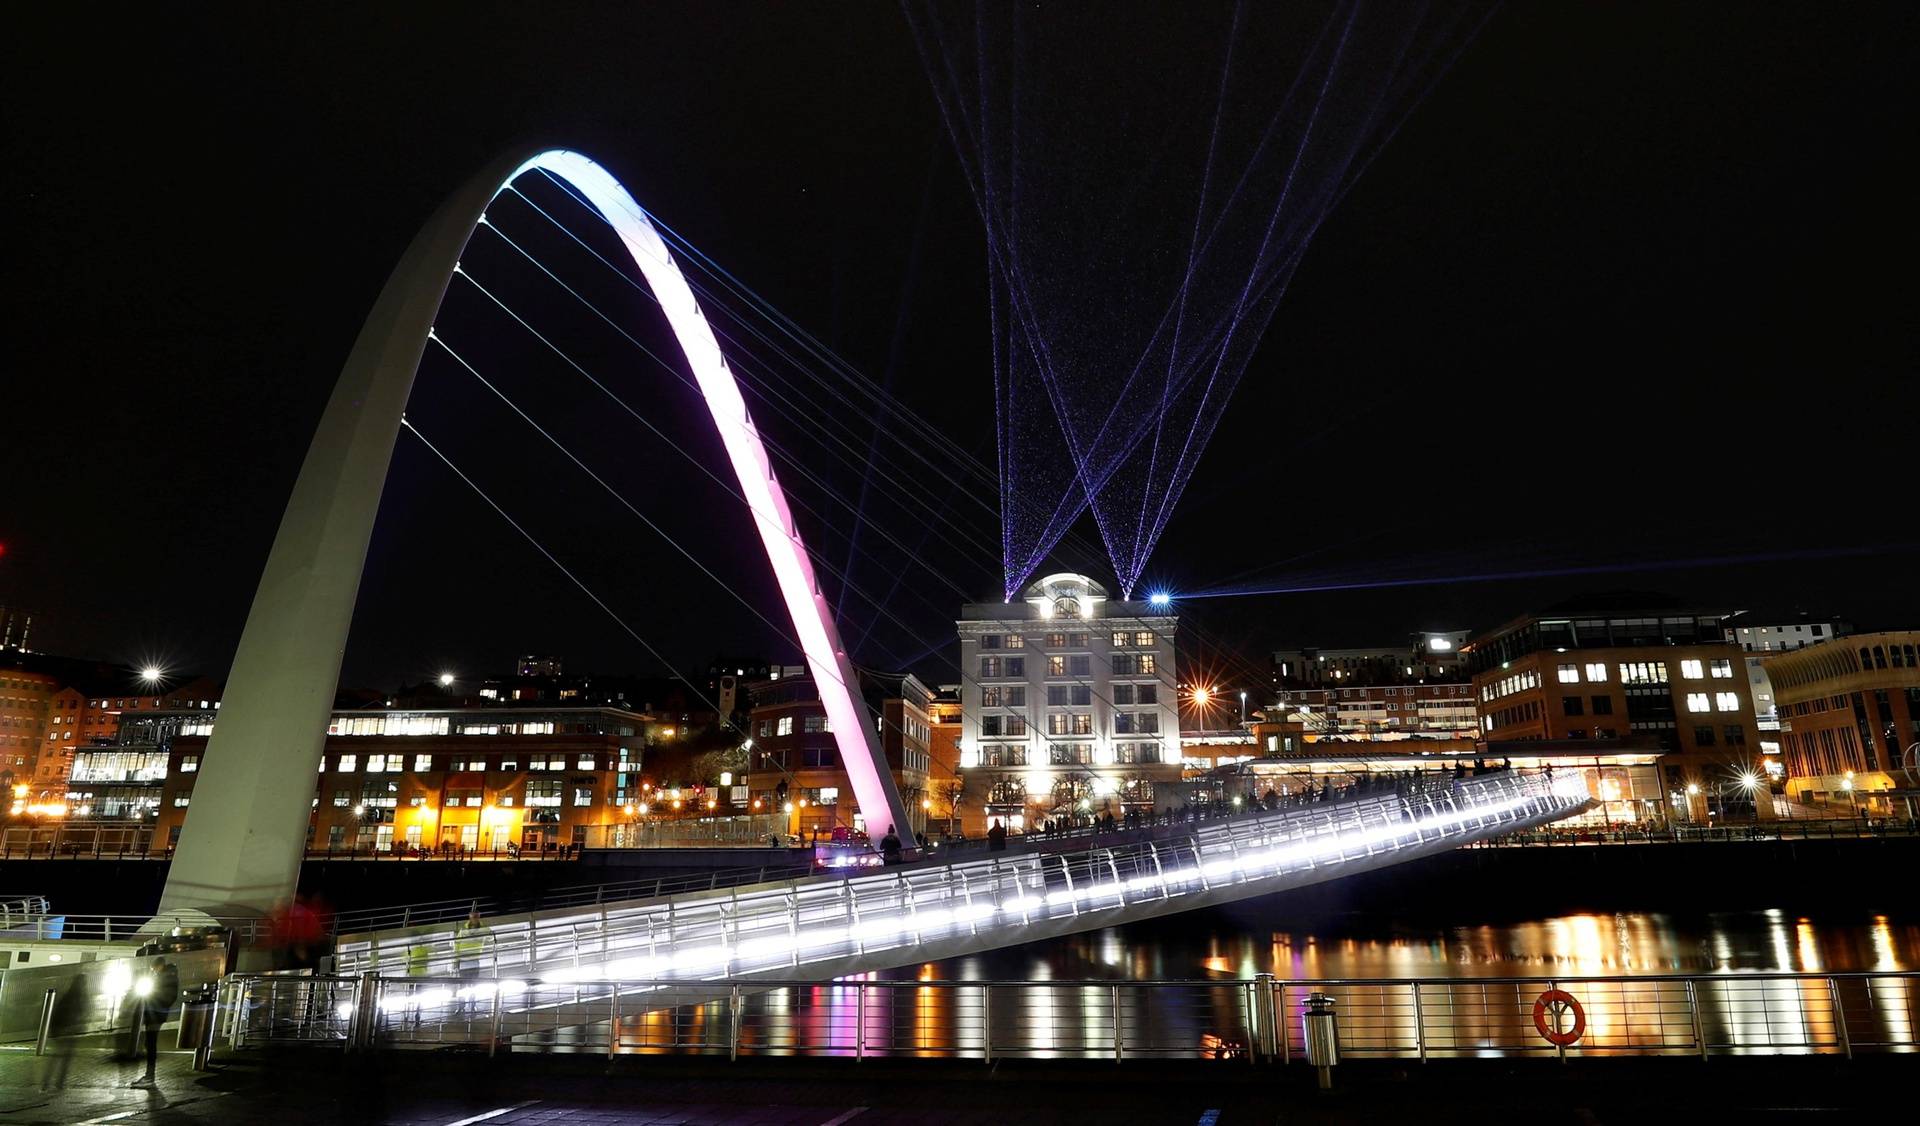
point(446, 680)
point(152, 674)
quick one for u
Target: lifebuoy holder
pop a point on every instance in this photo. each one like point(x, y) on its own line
point(1550, 1012)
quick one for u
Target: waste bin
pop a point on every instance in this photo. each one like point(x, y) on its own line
point(1322, 1035)
point(196, 1024)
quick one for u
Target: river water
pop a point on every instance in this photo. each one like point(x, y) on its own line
point(1240, 942)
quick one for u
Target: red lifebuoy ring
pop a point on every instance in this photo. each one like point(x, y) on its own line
point(1560, 1002)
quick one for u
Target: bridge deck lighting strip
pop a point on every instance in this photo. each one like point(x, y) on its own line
point(798, 924)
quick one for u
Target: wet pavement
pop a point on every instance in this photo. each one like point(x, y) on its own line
point(456, 1089)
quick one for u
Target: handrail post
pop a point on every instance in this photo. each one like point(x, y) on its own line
point(986, 1023)
point(1280, 1022)
point(613, 1022)
point(735, 1003)
point(493, 1033)
point(1839, 1016)
point(1693, 1009)
point(1419, 1024)
point(1119, 1048)
point(860, 1021)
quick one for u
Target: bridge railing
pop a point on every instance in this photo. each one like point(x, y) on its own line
point(764, 929)
point(1841, 1014)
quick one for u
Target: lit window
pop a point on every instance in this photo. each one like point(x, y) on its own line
point(1596, 671)
point(1697, 702)
point(1145, 664)
point(1692, 670)
point(785, 726)
point(1144, 638)
point(1722, 668)
point(585, 763)
point(1569, 674)
point(189, 764)
point(422, 763)
point(347, 763)
point(1726, 701)
point(376, 764)
point(582, 795)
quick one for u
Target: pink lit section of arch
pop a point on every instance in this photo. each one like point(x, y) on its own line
point(833, 672)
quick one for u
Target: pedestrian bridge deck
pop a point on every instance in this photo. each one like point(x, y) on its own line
point(834, 924)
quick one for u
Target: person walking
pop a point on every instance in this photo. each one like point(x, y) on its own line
point(163, 992)
point(890, 847)
point(997, 838)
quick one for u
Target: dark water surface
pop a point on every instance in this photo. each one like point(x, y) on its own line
point(1242, 941)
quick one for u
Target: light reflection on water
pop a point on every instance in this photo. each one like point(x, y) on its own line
point(1240, 945)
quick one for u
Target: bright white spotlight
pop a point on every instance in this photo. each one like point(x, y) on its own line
point(1159, 598)
point(152, 674)
point(446, 680)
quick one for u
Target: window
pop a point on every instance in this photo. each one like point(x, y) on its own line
point(1016, 666)
point(342, 799)
point(376, 764)
point(1057, 695)
point(1602, 705)
point(582, 795)
point(1692, 670)
point(1123, 694)
point(189, 763)
point(1596, 672)
point(1722, 668)
point(990, 641)
point(784, 726)
point(1145, 664)
point(1056, 666)
point(1016, 725)
point(990, 666)
point(1726, 701)
point(422, 763)
point(1081, 665)
point(1736, 735)
point(584, 762)
point(1017, 697)
point(1070, 754)
point(990, 697)
point(1643, 672)
point(1144, 638)
point(1697, 702)
point(1569, 674)
point(347, 762)
point(1056, 641)
point(1572, 705)
point(1147, 723)
point(1147, 693)
point(544, 792)
point(1121, 638)
point(1703, 735)
point(815, 723)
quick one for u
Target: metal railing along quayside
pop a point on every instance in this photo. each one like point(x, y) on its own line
point(1259, 1019)
point(914, 913)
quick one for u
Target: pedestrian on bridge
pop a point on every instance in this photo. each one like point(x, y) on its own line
point(890, 847)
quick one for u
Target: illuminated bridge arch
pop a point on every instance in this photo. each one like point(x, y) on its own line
point(241, 849)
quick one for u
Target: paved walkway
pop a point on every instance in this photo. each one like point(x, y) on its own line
point(454, 1089)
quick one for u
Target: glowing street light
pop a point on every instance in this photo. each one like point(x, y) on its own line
point(1202, 694)
point(152, 674)
point(1159, 598)
point(446, 680)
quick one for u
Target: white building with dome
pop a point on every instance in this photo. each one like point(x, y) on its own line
point(1067, 703)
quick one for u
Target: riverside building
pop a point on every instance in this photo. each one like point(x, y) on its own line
point(1068, 707)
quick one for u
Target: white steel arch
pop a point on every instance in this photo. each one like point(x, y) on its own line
point(240, 851)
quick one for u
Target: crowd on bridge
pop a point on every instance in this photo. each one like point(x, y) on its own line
point(1409, 785)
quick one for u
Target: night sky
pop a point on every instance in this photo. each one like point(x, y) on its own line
point(1634, 288)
